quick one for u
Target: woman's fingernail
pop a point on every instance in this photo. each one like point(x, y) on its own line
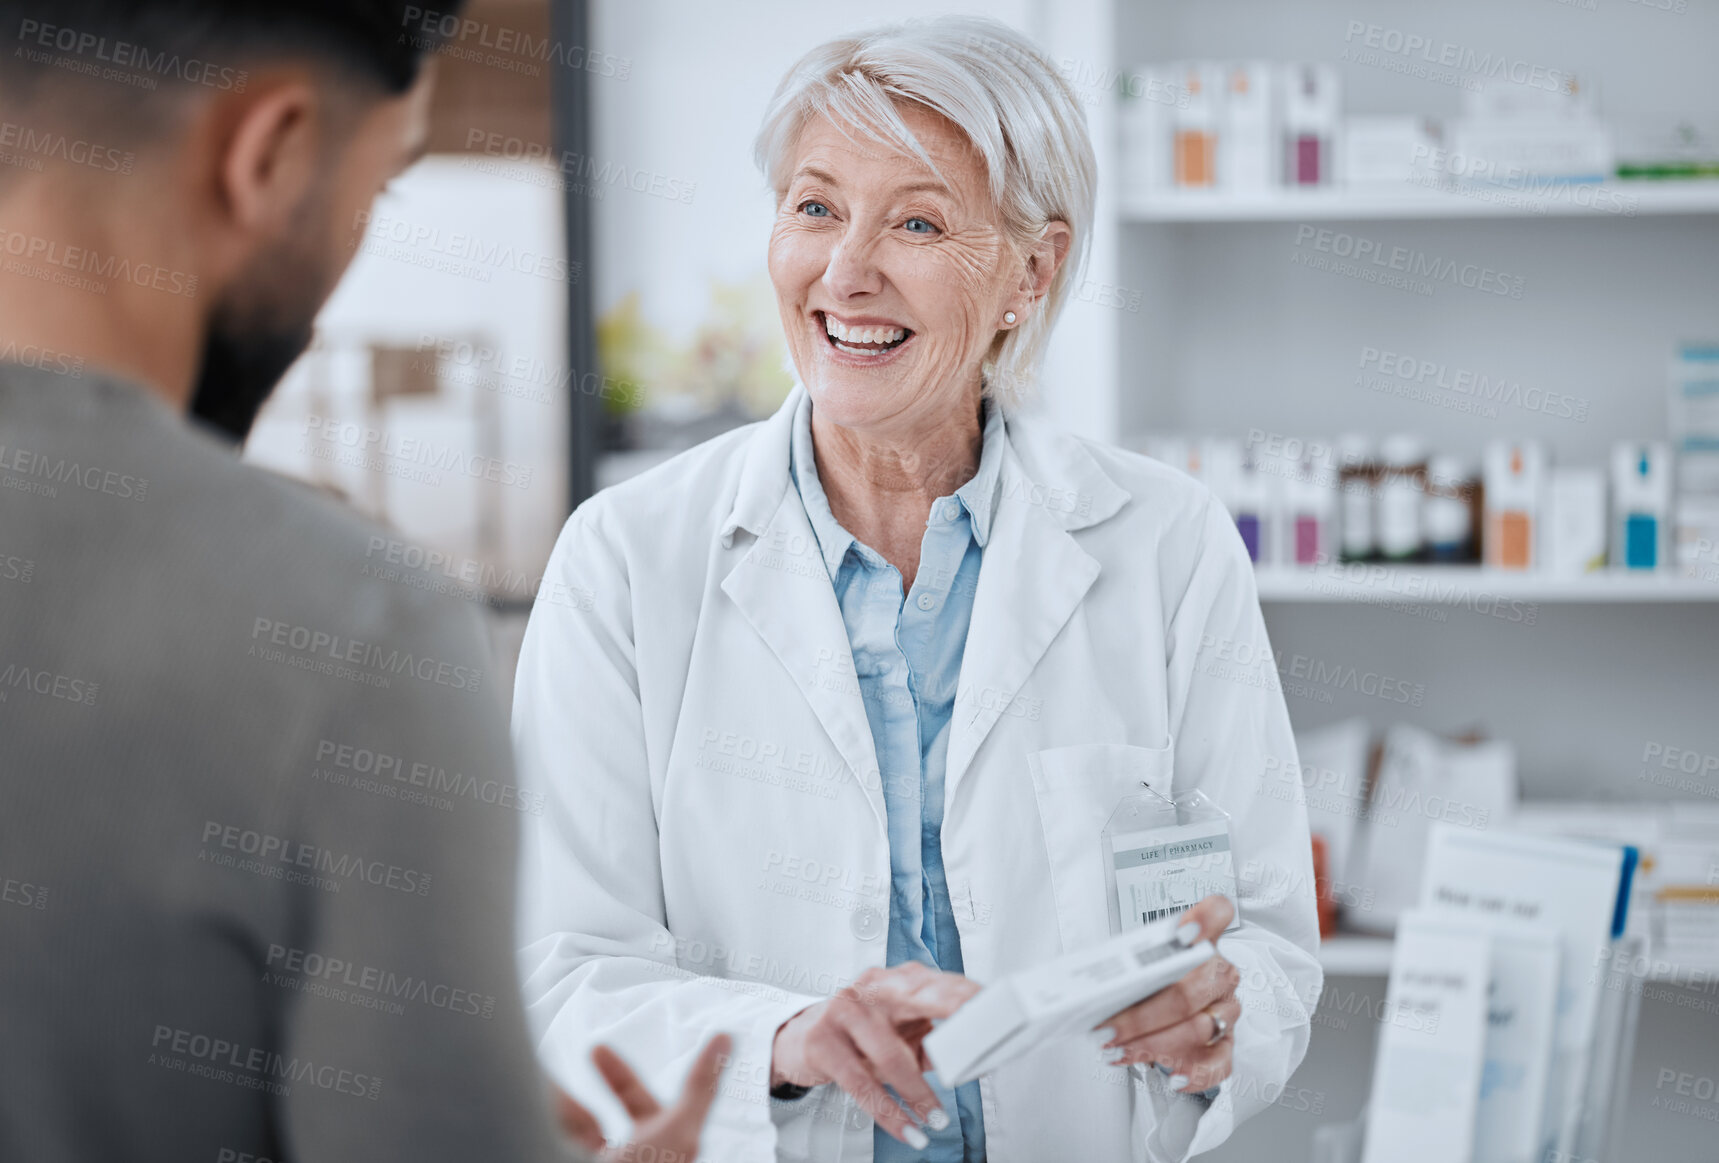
point(1178, 1081)
point(915, 1138)
point(1187, 933)
point(937, 1120)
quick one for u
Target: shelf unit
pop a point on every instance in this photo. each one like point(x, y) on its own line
point(1353, 955)
point(1466, 585)
point(1359, 955)
point(1208, 319)
point(1368, 203)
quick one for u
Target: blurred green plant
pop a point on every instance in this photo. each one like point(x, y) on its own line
point(736, 355)
point(631, 351)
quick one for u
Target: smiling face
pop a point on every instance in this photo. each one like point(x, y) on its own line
point(891, 284)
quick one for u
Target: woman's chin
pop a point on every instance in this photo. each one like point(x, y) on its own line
point(846, 399)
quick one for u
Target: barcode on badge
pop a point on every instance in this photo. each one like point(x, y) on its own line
point(1150, 915)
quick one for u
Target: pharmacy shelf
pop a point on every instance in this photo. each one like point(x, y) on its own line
point(1456, 585)
point(1614, 199)
point(1353, 956)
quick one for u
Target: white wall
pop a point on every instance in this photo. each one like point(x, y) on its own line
point(439, 261)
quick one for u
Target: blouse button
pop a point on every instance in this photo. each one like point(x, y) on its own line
point(866, 923)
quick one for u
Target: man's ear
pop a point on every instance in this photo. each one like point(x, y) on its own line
point(271, 156)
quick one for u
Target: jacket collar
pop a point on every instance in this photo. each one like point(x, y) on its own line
point(763, 473)
point(978, 496)
point(1034, 577)
point(1043, 468)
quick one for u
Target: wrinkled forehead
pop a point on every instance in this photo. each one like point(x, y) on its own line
point(923, 151)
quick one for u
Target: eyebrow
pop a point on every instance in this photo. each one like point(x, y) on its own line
point(912, 188)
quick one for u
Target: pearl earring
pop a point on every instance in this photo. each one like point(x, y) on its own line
point(1008, 316)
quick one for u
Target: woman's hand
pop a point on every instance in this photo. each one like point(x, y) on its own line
point(870, 1036)
point(672, 1133)
point(1174, 1026)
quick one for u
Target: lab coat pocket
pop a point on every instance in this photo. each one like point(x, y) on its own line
point(1077, 789)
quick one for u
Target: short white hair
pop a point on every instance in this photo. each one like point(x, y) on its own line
point(1001, 91)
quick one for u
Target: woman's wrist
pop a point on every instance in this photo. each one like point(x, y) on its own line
point(789, 1092)
point(784, 1050)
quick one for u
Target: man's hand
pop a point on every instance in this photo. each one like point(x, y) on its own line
point(671, 1133)
point(1174, 1026)
point(870, 1036)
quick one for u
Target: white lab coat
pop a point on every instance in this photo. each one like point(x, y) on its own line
point(711, 851)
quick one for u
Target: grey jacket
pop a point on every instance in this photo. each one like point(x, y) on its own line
point(257, 816)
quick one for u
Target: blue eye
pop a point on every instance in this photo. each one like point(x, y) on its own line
point(922, 222)
point(815, 209)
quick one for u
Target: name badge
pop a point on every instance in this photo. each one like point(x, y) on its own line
point(1163, 856)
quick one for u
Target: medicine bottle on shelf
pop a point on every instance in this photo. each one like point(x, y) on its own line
point(1447, 517)
point(1309, 507)
point(1402, 490)
point(1251, 504)
point(1641, 504)
point(1194, 144)
point(1514, 478)
point(1248, 140)
point(1311, 113)
point(1357, 482)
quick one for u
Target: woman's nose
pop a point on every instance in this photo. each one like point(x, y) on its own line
point(852, 267)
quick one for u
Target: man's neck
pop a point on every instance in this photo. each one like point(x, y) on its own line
point(77, 278)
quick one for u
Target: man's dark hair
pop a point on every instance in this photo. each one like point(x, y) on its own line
point(378, 43)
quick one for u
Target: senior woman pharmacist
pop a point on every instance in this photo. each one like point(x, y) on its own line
point(784, 733)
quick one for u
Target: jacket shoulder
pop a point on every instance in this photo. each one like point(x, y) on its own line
point(318, 562)
point(1187, 521)
point(1152, 483)
point(677, 506)
point(1158, 496)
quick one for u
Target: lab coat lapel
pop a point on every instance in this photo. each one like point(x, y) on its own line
point(782, 587)
point(1033, 577)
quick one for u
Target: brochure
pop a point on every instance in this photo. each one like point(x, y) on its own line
point(1426, 1082)
point(1570, 886)
point(1069, 995)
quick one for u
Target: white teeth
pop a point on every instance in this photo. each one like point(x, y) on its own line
point(863, 334)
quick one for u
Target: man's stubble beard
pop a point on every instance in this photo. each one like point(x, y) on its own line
point(265, 321)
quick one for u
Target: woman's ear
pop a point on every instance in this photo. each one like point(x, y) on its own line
point(1045, 257)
